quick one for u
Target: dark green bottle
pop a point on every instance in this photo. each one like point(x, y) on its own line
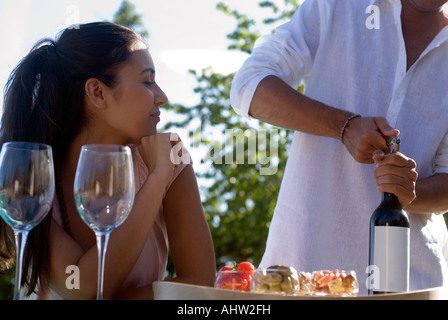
point(389, 255)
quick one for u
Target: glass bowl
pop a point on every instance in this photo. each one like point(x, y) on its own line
point(334, 283)
point(278, 279)
point(233, 280)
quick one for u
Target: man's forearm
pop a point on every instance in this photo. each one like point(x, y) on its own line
point(432, 195)
point(277, 103)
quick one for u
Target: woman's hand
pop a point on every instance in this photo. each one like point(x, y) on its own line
point(159, 153)
point(395, 173)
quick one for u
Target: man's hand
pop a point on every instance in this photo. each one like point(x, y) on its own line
point(395, 173)
point(363, 136)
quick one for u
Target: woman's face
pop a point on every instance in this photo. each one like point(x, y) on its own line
point(134, 107)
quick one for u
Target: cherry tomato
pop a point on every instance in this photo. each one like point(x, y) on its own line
point(225, 274)
point(245, 267)
point(238, 280)
point(226, 268)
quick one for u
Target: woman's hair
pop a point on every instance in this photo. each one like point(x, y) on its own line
point(44, 102)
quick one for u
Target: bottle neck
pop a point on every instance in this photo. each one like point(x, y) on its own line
point(390, 199)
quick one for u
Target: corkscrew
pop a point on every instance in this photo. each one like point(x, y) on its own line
point(393, 143)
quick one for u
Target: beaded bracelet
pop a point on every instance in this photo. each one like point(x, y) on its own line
point(353, 116)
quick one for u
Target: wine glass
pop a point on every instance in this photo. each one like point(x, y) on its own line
point(26, 192)
point(104, 190)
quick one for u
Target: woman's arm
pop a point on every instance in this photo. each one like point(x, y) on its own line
point(126, 242)
point(189, 236)
point(125, 246)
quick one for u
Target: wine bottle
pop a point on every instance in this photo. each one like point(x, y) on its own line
point(389, 244)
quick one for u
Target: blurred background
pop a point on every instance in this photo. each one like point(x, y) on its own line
point(197, 46)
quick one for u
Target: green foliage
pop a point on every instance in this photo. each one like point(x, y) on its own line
point(127, 16)
point(245, 33)
point(238, 201)
point(281, 14)
point(6, 285)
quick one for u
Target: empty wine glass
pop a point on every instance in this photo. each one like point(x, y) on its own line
point(104, 190)
point(26, 192)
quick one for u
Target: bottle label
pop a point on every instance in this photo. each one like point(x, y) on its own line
point(391, 256)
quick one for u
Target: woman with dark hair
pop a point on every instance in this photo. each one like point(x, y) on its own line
point(96, 84)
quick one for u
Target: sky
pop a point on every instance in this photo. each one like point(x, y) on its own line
point(184, 34)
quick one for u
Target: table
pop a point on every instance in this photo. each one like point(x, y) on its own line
point(165, 290)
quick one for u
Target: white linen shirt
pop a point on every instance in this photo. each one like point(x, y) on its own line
point(326, 199)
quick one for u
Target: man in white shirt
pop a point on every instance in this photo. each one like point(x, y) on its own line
point(387, 61)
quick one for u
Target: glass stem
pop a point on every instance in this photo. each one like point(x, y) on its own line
point(21, 237)
point(102, 239)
